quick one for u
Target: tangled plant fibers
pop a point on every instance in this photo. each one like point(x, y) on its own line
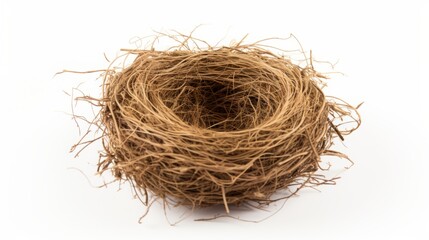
point(219, 125)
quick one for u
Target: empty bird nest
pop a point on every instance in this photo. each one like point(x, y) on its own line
point(216, 125)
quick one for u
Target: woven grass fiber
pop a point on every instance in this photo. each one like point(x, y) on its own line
point(226, 125)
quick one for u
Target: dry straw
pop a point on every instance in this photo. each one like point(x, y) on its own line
point(216, 125)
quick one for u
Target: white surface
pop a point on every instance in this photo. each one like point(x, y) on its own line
point(382, 48)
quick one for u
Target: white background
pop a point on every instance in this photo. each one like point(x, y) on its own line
point(381, 47)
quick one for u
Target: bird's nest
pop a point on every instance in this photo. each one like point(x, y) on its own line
point(220, 125)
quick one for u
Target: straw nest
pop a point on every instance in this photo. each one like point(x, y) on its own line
point(224, 125)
